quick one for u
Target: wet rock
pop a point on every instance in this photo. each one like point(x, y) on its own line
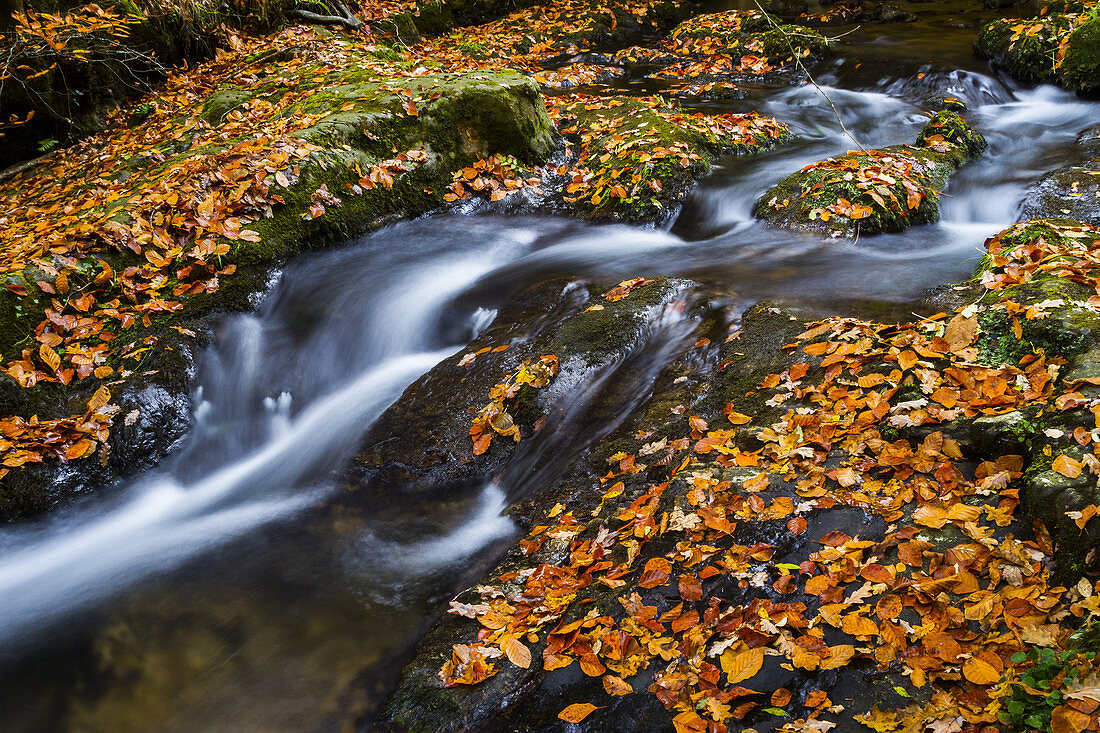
point(785, 7)
point(867, 11)
point(1032, 440)
point(726, 50)
point(153, 418)
point(422, 444)
point(1059, 48)
point(1073, 191)
point(874, 191)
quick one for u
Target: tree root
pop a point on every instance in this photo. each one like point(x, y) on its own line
point(345, 17)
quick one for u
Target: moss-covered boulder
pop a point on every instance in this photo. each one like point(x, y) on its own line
point(1059, 48)
point(874, 191)
point(330, 152)
point(636, 158)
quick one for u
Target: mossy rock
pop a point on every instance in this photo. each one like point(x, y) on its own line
point(631, 130)
point(1035, 52)
point(460, 118)
point(786, 42)
point(222, 102)
point(953, 128)
point(1080, 68)
point(1025, 57)
point(874, 191)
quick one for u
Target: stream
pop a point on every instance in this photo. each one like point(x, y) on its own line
point(203, 596)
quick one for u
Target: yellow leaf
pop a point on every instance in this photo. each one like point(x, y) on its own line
point(740, 666)
point(53, 361)
point(737, 418)
point(101, 397)
point(616, 685)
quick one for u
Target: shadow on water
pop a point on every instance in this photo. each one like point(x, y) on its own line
point(213, 594)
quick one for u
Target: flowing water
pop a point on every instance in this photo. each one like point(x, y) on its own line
point(202, 596)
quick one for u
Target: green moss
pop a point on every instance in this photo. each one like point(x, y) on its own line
point(222, 102)
point(1034, 56)
point(953, 129)
point(595, 335)
point(1028, 58)
point(1080, 68)
point(778, 42)
point(1067, 331)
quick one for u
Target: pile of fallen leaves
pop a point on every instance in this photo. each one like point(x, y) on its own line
point(66, 438)
point(949, 597)
point(496, 177)
point(620, 147)
point(887, 181)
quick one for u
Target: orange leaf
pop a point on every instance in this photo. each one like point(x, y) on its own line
point(1066, 466)
point(980, 672)
point(517, 653)
point(656, 573)
point(577, 712)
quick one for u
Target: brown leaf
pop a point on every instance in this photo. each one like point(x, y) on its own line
point(960, 332)
point(690, 588)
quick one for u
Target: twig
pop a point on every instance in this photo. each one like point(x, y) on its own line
point(797, 60)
